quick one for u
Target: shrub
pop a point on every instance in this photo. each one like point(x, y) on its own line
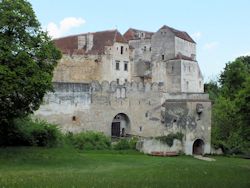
point(124, 144)
point(28, 132)
point(90, 141)
point(169, 139)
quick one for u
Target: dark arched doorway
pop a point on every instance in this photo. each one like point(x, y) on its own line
point(198, 147)
point(120, 125)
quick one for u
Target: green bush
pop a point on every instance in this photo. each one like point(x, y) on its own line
point(169, 139)
point(89, 140)
point(125, 144)
point(28, 132)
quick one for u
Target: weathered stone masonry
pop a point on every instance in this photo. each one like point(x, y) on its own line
point(143, 84)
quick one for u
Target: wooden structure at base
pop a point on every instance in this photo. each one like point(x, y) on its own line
point(164, 154)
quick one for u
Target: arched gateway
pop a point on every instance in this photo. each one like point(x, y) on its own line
point(198, 147)
point(120, 126)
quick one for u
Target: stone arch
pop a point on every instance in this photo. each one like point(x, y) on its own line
point(120, 126)
point(198, 147)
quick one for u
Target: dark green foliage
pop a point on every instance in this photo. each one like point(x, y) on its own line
point(27, 132)
point(89, 140)
point(212, 89)
point(233, 77)
point(125, 144)
point(231, 109)
point(169, 139)
point(27, 60)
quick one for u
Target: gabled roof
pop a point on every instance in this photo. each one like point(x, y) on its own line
point(181, 34)
point(132, 34)
point(101, 39)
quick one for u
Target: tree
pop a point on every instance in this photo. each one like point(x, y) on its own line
point(231, 109)
point(27, 60)
point(212, 89)
point(234, 76)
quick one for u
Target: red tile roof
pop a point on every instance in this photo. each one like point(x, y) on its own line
point(69, 44)
point(181, 34)
point(132, 34)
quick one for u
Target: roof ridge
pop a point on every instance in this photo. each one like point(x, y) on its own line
point(140, 30)
point(76, 35)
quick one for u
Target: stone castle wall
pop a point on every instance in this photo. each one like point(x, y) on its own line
point(151, 112)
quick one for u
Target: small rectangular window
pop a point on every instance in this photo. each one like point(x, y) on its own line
point(162, 57)
point(125, 66)
point(121, 49)
point(126, 80)
point(145, 48)
point(117, 65)
point(117, 80)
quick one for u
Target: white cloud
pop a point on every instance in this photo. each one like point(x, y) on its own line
point(211, 45)
point(65, 25)
point(196, 36)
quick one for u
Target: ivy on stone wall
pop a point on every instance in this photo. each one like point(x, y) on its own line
point(169, 139)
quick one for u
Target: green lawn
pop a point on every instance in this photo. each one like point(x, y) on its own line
point(66, 167)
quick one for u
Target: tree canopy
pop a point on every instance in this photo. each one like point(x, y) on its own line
point(231, 109)
point(27, 60)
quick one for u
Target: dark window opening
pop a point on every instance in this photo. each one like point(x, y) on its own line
point(150, 49)
point(162, 57)
point(117, 65)
point(74, 118)
point(126, 80)
point(145, 48)
point(140, 128)
point(172, 68)
point(121, 49)
point(126, 66)
point(117, 81)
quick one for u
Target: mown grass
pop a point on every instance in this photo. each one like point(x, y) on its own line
point(67, 167)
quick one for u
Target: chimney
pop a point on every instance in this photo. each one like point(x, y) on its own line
point(81, 42)
point(89, 39)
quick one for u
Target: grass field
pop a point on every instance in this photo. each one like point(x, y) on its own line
point(66, 167)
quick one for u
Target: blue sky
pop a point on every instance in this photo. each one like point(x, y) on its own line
point(221, 28)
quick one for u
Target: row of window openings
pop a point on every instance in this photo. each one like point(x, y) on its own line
point(189, 68)
point(117, 66)
point(118, 81)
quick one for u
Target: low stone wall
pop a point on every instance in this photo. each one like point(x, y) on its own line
point(151, 145)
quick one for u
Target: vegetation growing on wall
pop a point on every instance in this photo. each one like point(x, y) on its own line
point(231, 107)
point(169, 139)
